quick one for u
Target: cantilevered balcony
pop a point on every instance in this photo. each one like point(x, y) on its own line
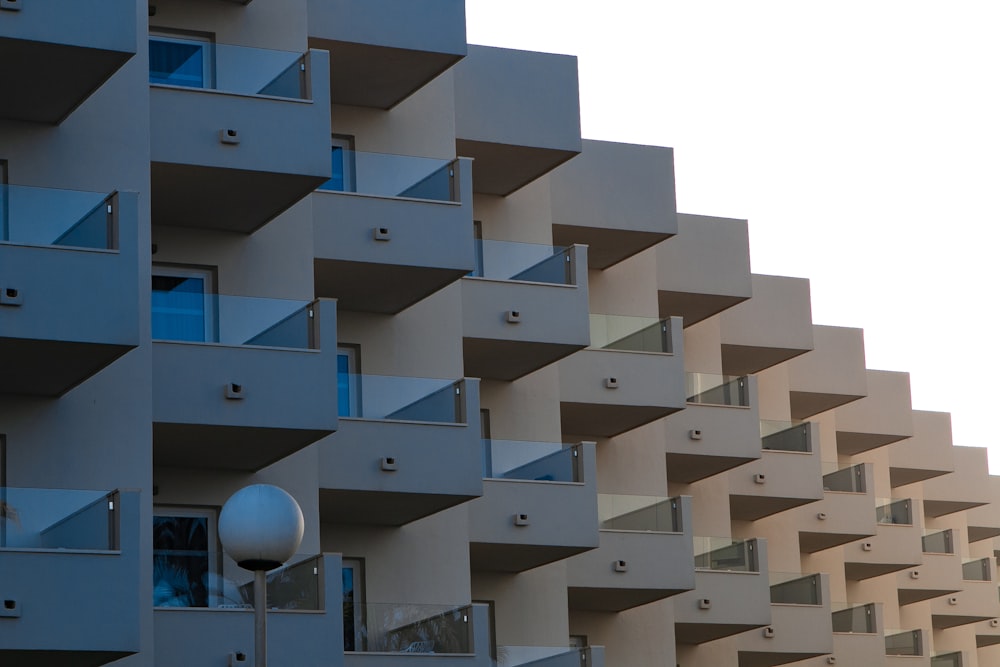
point(58, 52)
point(732, 592)
point(517, 113)
point(539, 505)
point(718, 430)
point(832, 374)
point(939, 574)
point(238, 134)
point(632, 374)
point(524, 308)
point(46, 236)
point(773, 326)
point(644, 544)
point(845, 512)
point(703, 270)
point(617, 199)
point(382, 51)
point(550, 656)
point(801, 624)
point(965, 488)
point(391, 230)
point(907, 646)
point(69, 560)
point(303, 610)
point(977, 601)
point(857, 633)
point(788, 473)
point(987, 633)
point(927, 454)
point(240, 382)
point(881, 418)
point(404, 449)
point(895, 546)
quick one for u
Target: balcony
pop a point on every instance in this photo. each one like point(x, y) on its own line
point(907, 644)
point(881, 418)
point(703, 270)
point(718, 430)
point(539, 505)
point(391, 230)
point(983, 521)
point(524, 308)
point(925, 455)
point(939, 574)
point(53, 64)
point(382, 51)
point(787, 475)
point(643, 542)
point(588, 192)
point(631, 375)
point(987, 633)
point(845, 512)
point(801, 626)
point(731, 595)
point(775, 325)
point(517, 113)
point(550, 656)
point(977, 601)
point(238, 134)
point(46, 235)
point(965, 488)
point(240, 382)
point(303, 606)
point(857, 633)
point(405, 448)
point(895, 546)
point(68, 560)
point(832, 375)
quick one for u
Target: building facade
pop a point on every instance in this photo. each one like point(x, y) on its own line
point(531, 413)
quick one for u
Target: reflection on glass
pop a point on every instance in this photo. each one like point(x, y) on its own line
point(414, 628)
point(179, 308)
point(640, 513)
point(784, 436)
point(543, 656)
point(714, 389)
point(906, 642)
point(32, 518)
point(181, 566)
point(939, 542)
point(790, 588)
point(894, 512)
point(947, 660)
point(388, 175)
point(844, 480)
point(629, 333)
point(859, 618)
point(178, 62)
point(533, 262)
point(976, 570)
point(398, 398)
point(65, 218)
point(726, 554)
point(536, 461)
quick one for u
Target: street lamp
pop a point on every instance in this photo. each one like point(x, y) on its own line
point(260, 527)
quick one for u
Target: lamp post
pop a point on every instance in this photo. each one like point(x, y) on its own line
point(260, 527)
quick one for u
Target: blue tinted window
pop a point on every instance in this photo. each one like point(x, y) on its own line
point(343, 385)
point(177, 63)
point(179, 308)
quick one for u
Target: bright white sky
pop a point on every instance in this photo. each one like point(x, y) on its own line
point(860, 139)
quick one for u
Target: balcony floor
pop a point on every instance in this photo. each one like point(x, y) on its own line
point(382, 508)
point(247, 448)
point(11, 658)
point(51, 367)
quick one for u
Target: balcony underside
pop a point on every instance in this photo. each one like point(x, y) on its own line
point(501, 169)
point(368, 75)
point(862, 571)
point(51, 367)
point(382, 508)
point(700, 633)
point(903, 476)
point(518, 557)
point(607, 421)
point(810, 543)
point(980, 533)
point(44, 82)
point(606, 247)
point(849, 444)
point(982, 641)
point(936, 508)
point(805, 404)
point(752, 508)
point(695, 307)
point(688, 468)
point(378, 288)
point(247, 448)
point(944, 621)
point(232, 200)
point(510, 359)
point(616, 599)
point(748, 359)
point(772, 658)
point(912, 595)
point(14, 658)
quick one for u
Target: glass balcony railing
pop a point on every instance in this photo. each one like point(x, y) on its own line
point(651, 514)
point(947, 659)
point(176, 60)
point(784, 436)
point(892, 511)
point(58, 519)
point(193, 579)
point(409, 628)
point(186, 315)
point(541, 656)
point(390, 397)
point(843, 480)
point(795, 588)
point(725, 554)
point(631, 334)
point(387, 175)
point(938, 542)
point(531, 262)
point(854, 618)
point(64, 218)
point(976, 570)
point(537, 461)
point(904, 642)
point(713, 389)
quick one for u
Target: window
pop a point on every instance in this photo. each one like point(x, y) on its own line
point(4, 232)
point(180, 59)
point(477, 235)
point(342, 163)
point(353, 573)
point(185, 557)
point(348, 381)
point(183, 304)
point(7, 512)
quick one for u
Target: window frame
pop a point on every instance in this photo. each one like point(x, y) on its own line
point(213, 555)
point(348, 167)
point(209, 278)
point(356, 566)
point(205, 39)
point(352, 353)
